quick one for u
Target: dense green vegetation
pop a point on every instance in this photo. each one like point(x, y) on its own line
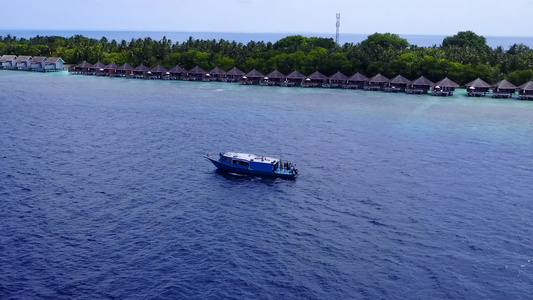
point(462, 57)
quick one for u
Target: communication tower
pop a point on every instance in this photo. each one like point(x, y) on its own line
point(338, 26)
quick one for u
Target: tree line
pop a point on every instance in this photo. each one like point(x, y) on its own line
point(462, 57)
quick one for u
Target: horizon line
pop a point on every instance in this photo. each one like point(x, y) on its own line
point(238, 32)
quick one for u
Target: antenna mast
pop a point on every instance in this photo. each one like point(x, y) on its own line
point(338, 26)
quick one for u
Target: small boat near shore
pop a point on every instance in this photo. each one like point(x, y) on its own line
point(251, 164)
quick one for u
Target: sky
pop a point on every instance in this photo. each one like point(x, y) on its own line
point(420, 17)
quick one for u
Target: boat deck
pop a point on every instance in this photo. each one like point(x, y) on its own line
point(250, 157)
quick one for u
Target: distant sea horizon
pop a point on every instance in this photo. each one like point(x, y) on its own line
point(426, 40)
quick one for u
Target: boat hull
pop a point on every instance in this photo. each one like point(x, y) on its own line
point(243, 170)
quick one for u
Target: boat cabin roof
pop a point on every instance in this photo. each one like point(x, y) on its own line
point(251, 157)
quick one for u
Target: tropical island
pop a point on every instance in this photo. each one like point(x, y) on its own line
point(462, 57)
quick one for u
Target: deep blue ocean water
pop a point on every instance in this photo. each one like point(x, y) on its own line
point(241, 37)
point(105, 192)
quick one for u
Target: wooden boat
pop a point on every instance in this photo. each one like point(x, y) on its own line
point(251, 164)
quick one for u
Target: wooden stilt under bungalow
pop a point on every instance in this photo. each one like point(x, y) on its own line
point(293, 79)
point(525, 91)
point(216, 74)
point(234, 75)
point(110, 69)
point(356, 81)
point(445, 87)
point(316, 79)
point(397, 84)
point(337, 80)
point(421, 85)
point(252, 77)
point(196, 74)
point(477, 88)
point(140, 71)
point(376, 83)
point(177, 73)
point(124, 71)
point(503, 89)
point(37, 63)
point(23, 63)
point(97, 69)
point(274, 78)
point(82, 68)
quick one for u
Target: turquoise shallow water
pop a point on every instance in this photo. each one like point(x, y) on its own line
point(105, 192)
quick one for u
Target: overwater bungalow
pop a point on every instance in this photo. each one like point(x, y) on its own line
point(140, 71)
point(82, 68)
point(397, 84)
point(23, 63)
point(124, 71)
point(177, 73)
point(158, 72)
point(293, 79)
point(8, 61)
point(503, 89)
point(337, 80)
point(445, 87)
point(376, 83)
point(525, 91)
point(234, 75)
point(52, 64)
point(196, 74)
point(216, 74)
point(421, 85)
point(110, 69)
point(252, 77)
point(97, 68)
point(316, 79)
point(274, 78)
point(477, 88)
point(37, 63)
point(356, 81)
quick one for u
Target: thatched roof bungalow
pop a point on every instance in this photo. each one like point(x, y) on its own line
point(124, 70)
point(159, 72)
point(97, 68)
point(274, 78)
point(110, 69)
point(196, 73)
point(293, 79)
point(140, 71)
point(82, 68)
point(445, 87)
point(397, 84)
point(23, 62)
point(252, 77)
point(376, 82)
point(525, 91)
point(503, 89)
point(477, 88)
point(234, 75)
point(336, 80)
point(316, 79)
point(421, 85)
point(177, 73)
point(356, 81)
point(216, 74)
